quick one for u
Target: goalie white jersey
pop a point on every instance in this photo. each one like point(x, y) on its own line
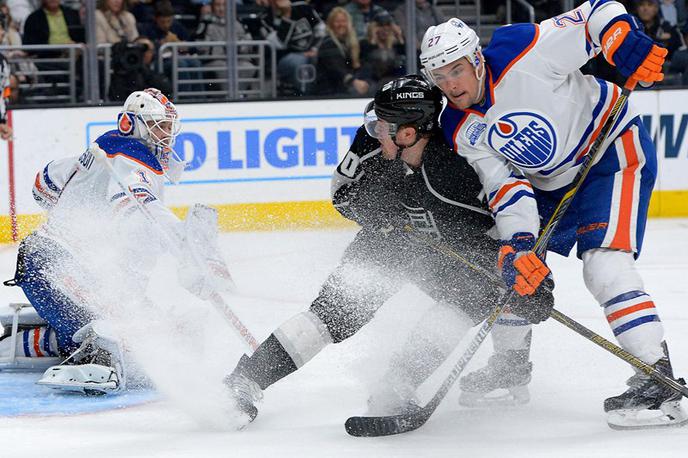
point(76, 190)
point(540, 115)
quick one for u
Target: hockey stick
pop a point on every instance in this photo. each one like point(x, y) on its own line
point(397, 424)
point(567, 321)
point(174, 244)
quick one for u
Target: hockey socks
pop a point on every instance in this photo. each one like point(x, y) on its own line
point(269, 363)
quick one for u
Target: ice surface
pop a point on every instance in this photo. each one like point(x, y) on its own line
point(278, 274)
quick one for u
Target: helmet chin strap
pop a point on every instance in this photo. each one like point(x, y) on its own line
point(481, 81)
point(403, 147)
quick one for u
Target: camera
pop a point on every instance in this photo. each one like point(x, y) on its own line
point(127, 57)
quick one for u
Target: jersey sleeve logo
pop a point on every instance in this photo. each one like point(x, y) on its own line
point(526, 139)
point(475, 131)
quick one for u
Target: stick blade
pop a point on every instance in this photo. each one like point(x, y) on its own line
point(386, 425)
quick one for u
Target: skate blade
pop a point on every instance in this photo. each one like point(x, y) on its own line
point(498, 398)
point(669, 415)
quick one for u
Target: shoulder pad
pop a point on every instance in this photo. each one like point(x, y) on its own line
point(509, 44)
point(115, 144)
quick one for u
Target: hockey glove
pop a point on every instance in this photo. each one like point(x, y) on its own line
point(521, 269)
point(625, 45)
point(201, 268)
point(538, 307)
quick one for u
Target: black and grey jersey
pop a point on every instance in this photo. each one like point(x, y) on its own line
point(302, 30)
point(442, 198)
point(4, 87)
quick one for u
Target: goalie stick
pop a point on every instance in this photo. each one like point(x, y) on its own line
point(398, 424)
point(175, 244)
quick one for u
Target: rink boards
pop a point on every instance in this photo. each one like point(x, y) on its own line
point(267, 165)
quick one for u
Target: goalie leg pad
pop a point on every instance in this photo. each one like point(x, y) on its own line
point(37, 257)
point(612, 278)
point(33, 342)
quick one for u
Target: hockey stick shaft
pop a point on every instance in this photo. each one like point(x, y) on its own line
point(174, 244)
point(562, 318)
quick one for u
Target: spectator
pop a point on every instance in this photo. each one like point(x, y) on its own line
point(673, 12)
point(21, 9)
point(362, 13)
point(140, 74)
point(296, 30)
point(656, 28)
point(11, 33)
point(679, 62)
point(339, 58)
point(143, 11)
point(164, 28)
point(114, 23)
point(212, 28)
point(427, 15)
point(383, 51)
point(324, 7)
point(22, 68)
point(53, 24)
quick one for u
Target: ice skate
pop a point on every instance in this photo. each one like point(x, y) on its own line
point(646, 403)
point(504, 381)
point(244, 391)
point(96, 367)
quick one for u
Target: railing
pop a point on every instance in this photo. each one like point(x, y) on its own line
point(203, 74)
point(527, 6)
point(48, 73)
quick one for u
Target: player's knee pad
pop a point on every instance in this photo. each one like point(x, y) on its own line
point(343, 314)
point(303, 336)
point(609, 273)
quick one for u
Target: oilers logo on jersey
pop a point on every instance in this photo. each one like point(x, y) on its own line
point(527, 139)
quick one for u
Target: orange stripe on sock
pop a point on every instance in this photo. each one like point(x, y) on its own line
point(622, 237)
point(36, 341)
point(628, 310)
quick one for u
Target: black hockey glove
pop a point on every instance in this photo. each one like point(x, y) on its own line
point(536, 307)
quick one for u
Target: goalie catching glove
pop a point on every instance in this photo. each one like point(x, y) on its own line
point(202, 269)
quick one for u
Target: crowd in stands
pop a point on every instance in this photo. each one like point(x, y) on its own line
point(323, 47)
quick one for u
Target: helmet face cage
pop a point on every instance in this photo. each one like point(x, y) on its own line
point(156, 119)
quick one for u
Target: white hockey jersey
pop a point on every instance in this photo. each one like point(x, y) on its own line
point(540, 115)
point(84, 199)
